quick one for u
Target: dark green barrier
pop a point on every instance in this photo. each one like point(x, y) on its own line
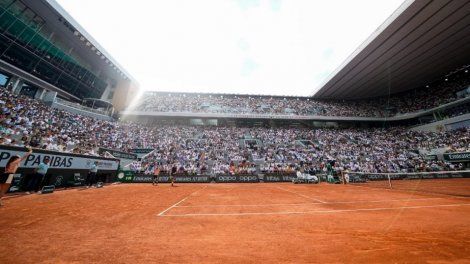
point(412, 176)
point(145, 178)
point(236, 178)
point(58, 178)
point(457, 157)
point(278, 178)
point(118, 154)
point(126, 176)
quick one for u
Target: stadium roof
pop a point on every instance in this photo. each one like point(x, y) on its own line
point(421, 41)
point(90, 48)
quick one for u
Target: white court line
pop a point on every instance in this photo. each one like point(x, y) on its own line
point(318, 211)
point(299, 204)
point(252, 185)
point(299, 194)
point(182, 200)
point(411, 191)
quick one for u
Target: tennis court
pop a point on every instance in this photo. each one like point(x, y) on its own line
point(237, 223)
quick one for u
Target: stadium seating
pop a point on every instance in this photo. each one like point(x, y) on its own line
point(407, 102)
point(221, 150)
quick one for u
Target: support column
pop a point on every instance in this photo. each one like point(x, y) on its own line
point(106, 93)
point(10, 83)
point(40, 93)
point(49, 97)
point(15, 85)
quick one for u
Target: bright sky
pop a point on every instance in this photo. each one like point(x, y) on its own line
point(275, 47)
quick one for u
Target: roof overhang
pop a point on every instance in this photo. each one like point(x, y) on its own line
point(421, 41)
point(82, 41)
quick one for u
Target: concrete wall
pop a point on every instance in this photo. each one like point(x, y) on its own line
point(442, 125)
point(49, 97)
point(80, 111)
point(124, 93)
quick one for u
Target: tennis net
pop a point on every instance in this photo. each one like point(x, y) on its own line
point(454, 183)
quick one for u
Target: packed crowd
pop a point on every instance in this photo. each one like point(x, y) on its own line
point(205, 103)
point(27, 122)
point(410, 101)
point(457, 111)
point(229, 150)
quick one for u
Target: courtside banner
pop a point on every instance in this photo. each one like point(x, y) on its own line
point(125, 176)
point(237, 178)
point(142, 151)
point(457, 157)
point(58, 160)
point(145, 178)
point(417, 176)
point(118, 154)
point(278, 178)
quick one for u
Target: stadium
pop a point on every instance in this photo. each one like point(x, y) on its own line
point(372, 166)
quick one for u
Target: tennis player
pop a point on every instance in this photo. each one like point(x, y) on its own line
point(10, 169)
point(156, 174)
point(174, 169)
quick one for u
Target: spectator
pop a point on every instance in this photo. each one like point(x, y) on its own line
point(11, 167)
point(91, 178)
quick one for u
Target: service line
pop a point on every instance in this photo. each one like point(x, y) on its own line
point(301, 204)
point(299, 194)
point(182, 200)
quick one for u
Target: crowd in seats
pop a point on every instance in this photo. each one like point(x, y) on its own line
point(224, 149)
point(430, 97)
point(407, 102)
point(28, 122)
point(366, 150)
point(227, 104)
point(457, 111)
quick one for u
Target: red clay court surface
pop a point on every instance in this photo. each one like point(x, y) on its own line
point(236, 223)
